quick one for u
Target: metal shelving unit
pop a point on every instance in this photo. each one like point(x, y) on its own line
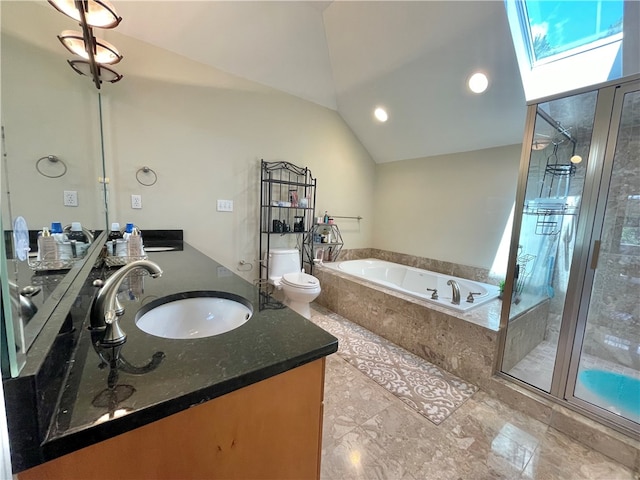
point(287, 204)
point(324, 243)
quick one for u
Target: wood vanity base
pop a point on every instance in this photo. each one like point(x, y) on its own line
point(269, 430)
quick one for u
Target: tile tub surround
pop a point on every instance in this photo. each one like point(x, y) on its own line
point(465, 344)
point(191, 372)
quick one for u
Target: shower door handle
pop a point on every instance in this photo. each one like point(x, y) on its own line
point(596, 255)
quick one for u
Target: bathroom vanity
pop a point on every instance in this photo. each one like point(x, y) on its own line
point(243, 404)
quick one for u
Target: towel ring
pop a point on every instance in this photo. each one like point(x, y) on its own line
point(54, 161)
point(149, 172)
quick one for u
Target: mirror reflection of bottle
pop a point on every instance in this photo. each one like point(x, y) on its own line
point(78, 239)
point(114, 236)
point(47, 246)
point(134, 244)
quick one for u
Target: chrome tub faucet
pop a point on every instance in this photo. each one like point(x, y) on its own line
point(456, 292)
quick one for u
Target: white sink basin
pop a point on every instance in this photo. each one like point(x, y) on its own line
point(194, 315)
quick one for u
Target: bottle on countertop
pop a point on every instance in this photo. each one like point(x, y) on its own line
point(78, 240)
point(134, 244)
point(56, 232)
point(47, 246)
point(113, 237)
point(77, 233)
point(114, 233)
point(127, 231)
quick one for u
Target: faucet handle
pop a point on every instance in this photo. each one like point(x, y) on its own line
point(470, 298)
point(434, 295)
point(113, 334)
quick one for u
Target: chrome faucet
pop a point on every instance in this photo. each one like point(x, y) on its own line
point(456, 292)
point(106, 308)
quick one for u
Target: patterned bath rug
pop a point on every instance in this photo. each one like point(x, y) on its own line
point(429, 390)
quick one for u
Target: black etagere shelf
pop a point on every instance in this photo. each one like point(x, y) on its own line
point(287, 205)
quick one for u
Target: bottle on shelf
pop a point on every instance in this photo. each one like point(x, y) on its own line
point(325, 219)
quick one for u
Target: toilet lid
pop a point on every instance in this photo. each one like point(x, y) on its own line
point(300, 280)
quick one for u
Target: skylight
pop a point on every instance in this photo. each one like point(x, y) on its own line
point(558, 29)
point(564, 45)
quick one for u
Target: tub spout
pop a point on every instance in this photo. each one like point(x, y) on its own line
point(456, 292)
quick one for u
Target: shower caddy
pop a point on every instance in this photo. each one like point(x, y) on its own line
point(287, 203)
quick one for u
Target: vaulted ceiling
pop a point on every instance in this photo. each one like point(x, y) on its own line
point(412, 57)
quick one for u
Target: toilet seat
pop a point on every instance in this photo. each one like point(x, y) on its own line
point(300, 280)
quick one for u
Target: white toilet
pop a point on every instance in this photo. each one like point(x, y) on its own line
point(285, 273)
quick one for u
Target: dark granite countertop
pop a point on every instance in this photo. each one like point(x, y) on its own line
point(189, 371)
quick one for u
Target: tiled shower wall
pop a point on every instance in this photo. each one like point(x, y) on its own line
point(613, 328)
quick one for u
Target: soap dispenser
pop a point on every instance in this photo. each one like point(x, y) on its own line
point(134, 244)
point(47, 246)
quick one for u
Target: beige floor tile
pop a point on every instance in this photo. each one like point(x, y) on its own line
point(370, 434)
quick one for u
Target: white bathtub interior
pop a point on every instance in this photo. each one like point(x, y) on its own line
point(415, 282)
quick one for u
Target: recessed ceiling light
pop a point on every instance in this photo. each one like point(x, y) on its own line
point(478, 82)
point(381, 114)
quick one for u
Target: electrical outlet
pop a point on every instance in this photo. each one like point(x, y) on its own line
point(70, 198)
point(136, 201)
point(225, 206)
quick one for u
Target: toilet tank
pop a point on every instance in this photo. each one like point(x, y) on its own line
point(283, 260)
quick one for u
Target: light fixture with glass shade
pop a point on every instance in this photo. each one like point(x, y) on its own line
point(97, 13)
point(106, 74)
point(95, 52)
point(104, 51)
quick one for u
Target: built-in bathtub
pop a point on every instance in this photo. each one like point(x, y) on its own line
point(461, 342)
point(420, 283)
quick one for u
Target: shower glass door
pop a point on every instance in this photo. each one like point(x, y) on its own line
point(605, 368)
point(558, 162)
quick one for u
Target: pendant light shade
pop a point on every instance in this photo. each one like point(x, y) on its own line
point(105, 74)
point(98, 13)
point(95, 52)
point(103, 51)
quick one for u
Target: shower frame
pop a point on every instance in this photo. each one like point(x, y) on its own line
point(581, 276)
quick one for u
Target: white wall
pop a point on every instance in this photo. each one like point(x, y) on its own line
point(449, 207)
point(204, 132)
point(47, 109)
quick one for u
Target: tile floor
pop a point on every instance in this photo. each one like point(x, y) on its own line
point(370, 434)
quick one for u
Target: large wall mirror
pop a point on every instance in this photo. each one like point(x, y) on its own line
point(51, 145)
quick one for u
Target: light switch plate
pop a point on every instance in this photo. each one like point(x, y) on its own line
point(225, 206)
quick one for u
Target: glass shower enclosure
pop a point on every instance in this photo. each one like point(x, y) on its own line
point(571, 313)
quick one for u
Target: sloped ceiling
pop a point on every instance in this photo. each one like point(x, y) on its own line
point(413, 58)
